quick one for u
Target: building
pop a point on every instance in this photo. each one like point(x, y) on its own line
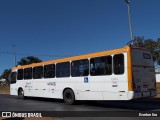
point(2, 81)
point(157, 72)
point(157, 76)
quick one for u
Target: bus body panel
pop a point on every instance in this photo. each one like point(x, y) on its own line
point(111, 84)
point(44, 87)
point(134, 95)
point(27, 87)
point(143, 73)
point(137, 81)
point(143, 70)
point(13, 89)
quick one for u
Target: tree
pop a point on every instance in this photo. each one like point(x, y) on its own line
point(5, 74)
point(23, 61)
point(137, 41)
point(152, 45)
point(28, 60)
point(158, 49)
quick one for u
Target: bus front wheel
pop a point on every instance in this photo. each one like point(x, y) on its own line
point(21, 94)
point(69, 97)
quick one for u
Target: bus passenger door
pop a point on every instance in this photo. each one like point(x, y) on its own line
point(28, 87)
point(119, 78)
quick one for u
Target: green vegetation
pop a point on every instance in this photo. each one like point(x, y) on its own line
point(29, 60)
point(23, 61)
point(5, 74)
point(152, 45)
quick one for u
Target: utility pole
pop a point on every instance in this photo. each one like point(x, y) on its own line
point(14, 52)
point(129, 18)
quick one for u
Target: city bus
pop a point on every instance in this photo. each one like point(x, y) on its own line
point(121, 74)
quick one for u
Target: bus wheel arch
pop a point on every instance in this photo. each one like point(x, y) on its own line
point(68, 96)
point(21, 93)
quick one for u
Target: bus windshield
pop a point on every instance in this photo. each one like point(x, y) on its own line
point(12, 77)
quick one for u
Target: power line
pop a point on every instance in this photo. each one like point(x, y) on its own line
point(29, 54)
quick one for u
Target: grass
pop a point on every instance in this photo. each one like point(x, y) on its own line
point(6, 89)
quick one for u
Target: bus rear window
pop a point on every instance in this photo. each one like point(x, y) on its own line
point(146, 56)
point(141, 57)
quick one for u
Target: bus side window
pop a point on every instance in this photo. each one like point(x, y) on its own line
point(20, 74)
point(101, 66)
point(80, 68)
point(27, 73)
point(49, 71)
point(63, 69)
point(13, 77)
point(38, 72)
point(118, 61)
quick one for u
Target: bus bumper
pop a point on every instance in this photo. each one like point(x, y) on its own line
point(141, 94)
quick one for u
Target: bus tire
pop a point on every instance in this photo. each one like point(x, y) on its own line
point(21, 94)
point(69, 97)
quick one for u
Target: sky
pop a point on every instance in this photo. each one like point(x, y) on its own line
point(51, 29)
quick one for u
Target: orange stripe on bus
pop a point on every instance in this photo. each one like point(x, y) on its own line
point(129, 62)
point(97, 54)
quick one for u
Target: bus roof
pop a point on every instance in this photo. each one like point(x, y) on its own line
point(85, 56)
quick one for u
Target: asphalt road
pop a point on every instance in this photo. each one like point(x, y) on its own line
point(114, 108)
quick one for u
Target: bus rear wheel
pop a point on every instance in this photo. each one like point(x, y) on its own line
point(69, 97)
point(21, 94)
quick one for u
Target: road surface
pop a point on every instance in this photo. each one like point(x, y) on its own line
point(113, 109)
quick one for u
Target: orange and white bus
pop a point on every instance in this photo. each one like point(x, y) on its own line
point(120, 74)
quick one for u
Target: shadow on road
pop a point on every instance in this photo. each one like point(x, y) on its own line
point(144, 104)
point(139, 104)
point(127, 105)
